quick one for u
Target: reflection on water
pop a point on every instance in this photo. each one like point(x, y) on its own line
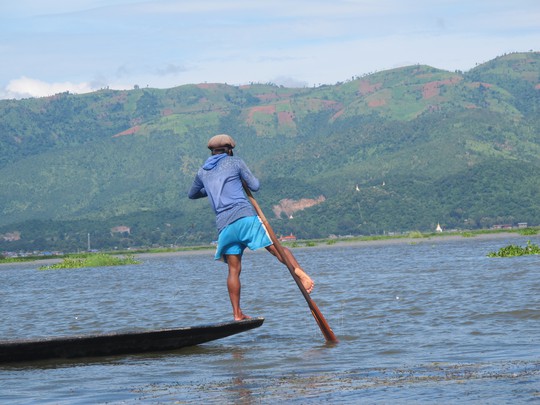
point(429, 321)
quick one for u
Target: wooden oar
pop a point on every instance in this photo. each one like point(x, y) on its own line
point(323, 325)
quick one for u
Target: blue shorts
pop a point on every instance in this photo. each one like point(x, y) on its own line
point(242, 233)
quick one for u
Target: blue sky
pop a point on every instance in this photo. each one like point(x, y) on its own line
point(52, 46)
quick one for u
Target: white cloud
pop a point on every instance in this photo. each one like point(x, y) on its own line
point(289, 82)
point(81, 45)
point(25, 87)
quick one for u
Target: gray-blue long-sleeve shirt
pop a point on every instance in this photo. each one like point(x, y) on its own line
point(220, 179)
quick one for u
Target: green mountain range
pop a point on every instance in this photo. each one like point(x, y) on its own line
point(393, 151)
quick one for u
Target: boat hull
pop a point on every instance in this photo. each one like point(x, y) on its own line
point(120, 343)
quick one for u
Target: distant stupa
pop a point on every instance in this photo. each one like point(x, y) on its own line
point(438, 229)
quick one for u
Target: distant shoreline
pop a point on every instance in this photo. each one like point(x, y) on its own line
point(307, 244)
point(361, 242)
point(436, 238)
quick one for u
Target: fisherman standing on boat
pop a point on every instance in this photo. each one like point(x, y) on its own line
point(220, 179)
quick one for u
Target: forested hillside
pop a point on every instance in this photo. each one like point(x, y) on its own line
point(393, 151)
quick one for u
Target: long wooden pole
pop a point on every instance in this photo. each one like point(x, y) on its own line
point(321, 321)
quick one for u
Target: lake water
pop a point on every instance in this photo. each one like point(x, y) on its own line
point(432, 321)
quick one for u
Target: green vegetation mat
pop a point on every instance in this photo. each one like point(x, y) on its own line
point(514, 250)
point(93, 260)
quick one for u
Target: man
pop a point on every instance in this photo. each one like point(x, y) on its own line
point(220, 179)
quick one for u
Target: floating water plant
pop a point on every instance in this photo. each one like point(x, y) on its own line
point(93, 260)
point(514, 250)
point(528, 231)
point(415, 234)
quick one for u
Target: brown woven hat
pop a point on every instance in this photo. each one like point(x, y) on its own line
point(221, 141)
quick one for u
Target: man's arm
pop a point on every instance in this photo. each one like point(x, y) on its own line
point(197, 189)
point(246, 175)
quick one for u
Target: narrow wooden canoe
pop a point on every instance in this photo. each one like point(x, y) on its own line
point(119, 343)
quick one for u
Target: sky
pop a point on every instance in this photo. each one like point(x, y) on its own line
point(53, 46)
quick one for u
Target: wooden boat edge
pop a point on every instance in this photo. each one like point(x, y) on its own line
point(118, 343)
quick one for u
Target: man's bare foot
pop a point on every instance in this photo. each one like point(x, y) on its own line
point(307, 282)
point(241, 317)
